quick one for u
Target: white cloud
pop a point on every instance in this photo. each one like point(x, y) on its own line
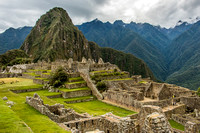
point(17, 13)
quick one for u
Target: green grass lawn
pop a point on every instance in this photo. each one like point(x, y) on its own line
point(94, 107)
point(10, 121)
point(22, 84)
point(41, 93)
point(23, 113)
point(34, 119)
point(176, 125)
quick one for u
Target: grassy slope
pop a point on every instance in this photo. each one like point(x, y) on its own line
point(10, 121)
point(34, 119)
point(38, 122)
point(176, 125)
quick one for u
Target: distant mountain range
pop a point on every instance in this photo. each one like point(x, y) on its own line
point(13, 38)
point(172, 54)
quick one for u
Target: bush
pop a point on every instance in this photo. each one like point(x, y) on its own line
point(101, 86)
point(198, 91)
point(59, 77)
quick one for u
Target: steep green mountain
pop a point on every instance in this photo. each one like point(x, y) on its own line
point(184, 55)
point(174, 32)
point(13, 38)
point(118, 37)
point(55, 37)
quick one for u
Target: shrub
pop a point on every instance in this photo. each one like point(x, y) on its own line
point(101, 86)
point(198, 91)
point(59, 77)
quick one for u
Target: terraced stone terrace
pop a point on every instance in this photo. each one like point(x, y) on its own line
point(121, 95)
point(31, 120)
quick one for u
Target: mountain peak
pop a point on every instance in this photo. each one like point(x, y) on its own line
point(55, 37)
point(119, 22)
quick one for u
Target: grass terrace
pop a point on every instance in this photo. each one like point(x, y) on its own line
point(176, 125)
point(32, 74)
point(77, 82)
point(118, 79)
point(35, 70)
point(40, 93)
point(14, 120)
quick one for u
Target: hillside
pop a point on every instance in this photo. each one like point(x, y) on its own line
point(123, 39)
point(13, 38)
point(186, 64)
point(13, 57)
point(148, 32)
point(55, 37)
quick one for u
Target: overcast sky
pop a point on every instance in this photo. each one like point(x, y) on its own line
point(19, 13)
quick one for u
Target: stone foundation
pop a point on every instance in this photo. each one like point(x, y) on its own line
point(55, 112)
point(10, 75)
point(75, 85)
point(108, 123)
point(27, 90)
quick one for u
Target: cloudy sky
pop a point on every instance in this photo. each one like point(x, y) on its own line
point(18, 13)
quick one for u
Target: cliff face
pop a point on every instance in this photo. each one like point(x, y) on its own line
point(55, 37)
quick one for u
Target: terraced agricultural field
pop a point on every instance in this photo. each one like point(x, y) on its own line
point(24, 118)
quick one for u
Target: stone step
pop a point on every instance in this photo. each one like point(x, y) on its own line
point(101, 72)
point(30, 75)
point(40, 81)
point(110, 77)
point(45, 75)
point(73, 75)
point(79, 99)
point(55, 96)
point(76, 79)
point(79, 92)
point(73, 85)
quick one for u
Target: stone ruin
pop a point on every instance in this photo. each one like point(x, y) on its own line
point(150, 119)
point(55, 112)
point(134, 93)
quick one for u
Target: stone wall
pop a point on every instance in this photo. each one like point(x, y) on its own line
point(10, 75)
point(75, 85)
point(151, 119)
point(72, 94)
point(55, 112)
point(108, 123)
point(192, 102)
point(176, 110)
point(26, 90)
